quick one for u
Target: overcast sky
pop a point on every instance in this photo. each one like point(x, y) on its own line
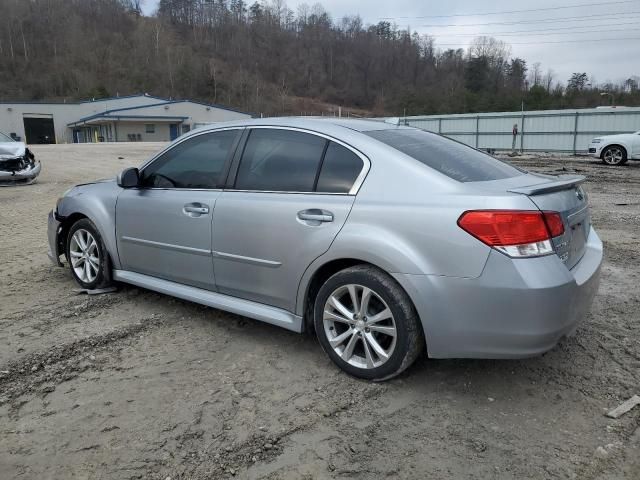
point(573, 44)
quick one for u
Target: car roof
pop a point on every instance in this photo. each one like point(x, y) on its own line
point(319, 124)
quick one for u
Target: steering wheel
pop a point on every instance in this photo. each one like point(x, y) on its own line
point(163, 177)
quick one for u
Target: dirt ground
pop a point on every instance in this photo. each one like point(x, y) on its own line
point(135, 384)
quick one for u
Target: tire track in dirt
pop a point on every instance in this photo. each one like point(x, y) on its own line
point(61, 362)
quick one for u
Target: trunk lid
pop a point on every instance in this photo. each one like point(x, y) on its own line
point(563, 194)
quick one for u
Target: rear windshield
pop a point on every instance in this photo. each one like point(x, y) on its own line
point(453, 159)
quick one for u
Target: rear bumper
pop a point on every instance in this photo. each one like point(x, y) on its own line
point(53, 232)
point(516, 308)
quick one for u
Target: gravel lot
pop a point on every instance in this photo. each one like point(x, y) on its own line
point(134, 384)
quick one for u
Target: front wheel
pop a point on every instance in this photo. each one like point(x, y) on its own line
point(88, 256)
point(614, 155)
point(366, 323)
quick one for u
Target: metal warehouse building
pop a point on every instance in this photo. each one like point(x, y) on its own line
point(567, 131)
point(119, 119)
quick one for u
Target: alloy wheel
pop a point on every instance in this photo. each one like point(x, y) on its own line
point(359, 326)
point(613, 156)
point(84, 255)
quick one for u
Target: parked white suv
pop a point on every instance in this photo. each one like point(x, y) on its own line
point(616, 149)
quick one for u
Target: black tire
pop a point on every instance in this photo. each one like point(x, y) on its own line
point(103, 276)
point(614, 155)
point(409, 338)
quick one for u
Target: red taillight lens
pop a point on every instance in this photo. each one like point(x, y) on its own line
point(499, 228)
point(554, 223)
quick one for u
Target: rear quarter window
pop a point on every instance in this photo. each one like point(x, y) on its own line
point(451, 158)
point(340, 169)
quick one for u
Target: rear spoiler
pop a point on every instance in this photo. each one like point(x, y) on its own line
point(563, 182)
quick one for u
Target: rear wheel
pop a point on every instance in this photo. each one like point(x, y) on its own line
point(614, 155)
point(367, 324)
point(88, 256)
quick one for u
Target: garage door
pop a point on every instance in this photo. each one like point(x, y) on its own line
point(39, 129)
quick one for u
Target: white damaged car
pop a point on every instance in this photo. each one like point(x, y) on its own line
point(17, 163)
point(616, 149)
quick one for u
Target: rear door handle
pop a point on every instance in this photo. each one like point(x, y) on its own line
point(315, 215)
point(195, 209)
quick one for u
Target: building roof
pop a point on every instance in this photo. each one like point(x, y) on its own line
point(161, 100)
point(101, 117)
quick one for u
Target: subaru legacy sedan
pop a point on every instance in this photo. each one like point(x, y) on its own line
point(384, 240)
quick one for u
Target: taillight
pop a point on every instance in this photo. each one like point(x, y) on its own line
point(517, 233)
point(554, 223)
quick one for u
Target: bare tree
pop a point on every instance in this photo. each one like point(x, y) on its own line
point(535, 74)
point(548, 79)
point(489, 47)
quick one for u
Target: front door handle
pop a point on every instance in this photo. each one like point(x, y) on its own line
point(195, 209)
point(315, 215)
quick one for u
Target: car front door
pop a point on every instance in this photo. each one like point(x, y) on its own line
point(163, 228)
point(292, 193)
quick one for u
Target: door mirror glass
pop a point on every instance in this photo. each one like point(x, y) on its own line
point(129, 178)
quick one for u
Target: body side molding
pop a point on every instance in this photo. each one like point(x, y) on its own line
point(251, 260)
point(166, 246)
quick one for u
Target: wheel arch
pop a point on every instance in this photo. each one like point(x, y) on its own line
point(65, 225)
point(97, 202)
point(321, 272)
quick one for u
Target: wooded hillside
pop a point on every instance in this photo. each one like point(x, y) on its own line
point(264, 58)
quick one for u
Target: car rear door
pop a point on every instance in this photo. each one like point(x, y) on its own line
point(163, 228)
point(290, 193)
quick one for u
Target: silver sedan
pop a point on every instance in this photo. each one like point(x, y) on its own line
point(383, 240)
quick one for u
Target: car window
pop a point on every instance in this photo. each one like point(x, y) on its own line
point(340, 169)
point(454, 159)
point(5, 138)
point(197, 162)
point(280, 160)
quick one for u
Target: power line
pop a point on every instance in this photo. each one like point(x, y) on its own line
point(539, 43)
point(549, 31)
point(514, 11)
point(542, 20)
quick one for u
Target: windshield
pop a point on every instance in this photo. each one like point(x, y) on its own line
point(5, 138)
point(453, 159)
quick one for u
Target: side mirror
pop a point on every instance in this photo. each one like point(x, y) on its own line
point(129, 178)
